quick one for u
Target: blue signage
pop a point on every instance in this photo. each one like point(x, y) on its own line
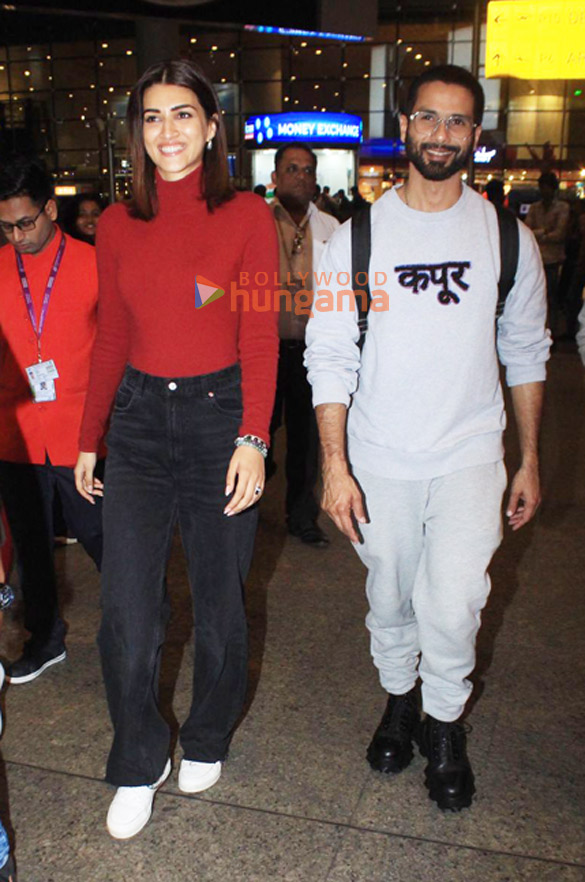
point(299, 32)
point(316, 128)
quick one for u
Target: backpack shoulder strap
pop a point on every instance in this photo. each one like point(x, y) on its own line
point(361, 246)
point(509, 250)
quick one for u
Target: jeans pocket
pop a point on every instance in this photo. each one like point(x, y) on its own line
point(124, 396)
point(228, 402)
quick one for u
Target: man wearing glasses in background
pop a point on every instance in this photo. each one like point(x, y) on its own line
point(48, 315)
point(419, 491)
point(302, 231)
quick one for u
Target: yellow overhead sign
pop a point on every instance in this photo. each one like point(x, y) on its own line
point(536, 40)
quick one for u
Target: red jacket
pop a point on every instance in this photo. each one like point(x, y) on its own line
point(29, 431)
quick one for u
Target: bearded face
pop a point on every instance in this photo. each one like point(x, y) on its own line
point(434, 160)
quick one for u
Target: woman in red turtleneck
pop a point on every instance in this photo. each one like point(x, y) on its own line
point(191, 375)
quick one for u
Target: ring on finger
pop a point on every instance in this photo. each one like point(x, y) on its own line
point(257, 490)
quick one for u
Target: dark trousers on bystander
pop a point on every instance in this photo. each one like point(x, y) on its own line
point(293, 404)
point(28, 492)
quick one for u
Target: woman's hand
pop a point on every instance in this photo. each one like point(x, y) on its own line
point(245, 479)
point(85, 483)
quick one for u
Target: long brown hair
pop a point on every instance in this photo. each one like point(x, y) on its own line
point(215, 182)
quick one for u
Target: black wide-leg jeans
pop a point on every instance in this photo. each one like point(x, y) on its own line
point(169, 447)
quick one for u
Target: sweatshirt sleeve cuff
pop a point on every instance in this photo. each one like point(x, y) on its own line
point(518, 375)
point(330, 389)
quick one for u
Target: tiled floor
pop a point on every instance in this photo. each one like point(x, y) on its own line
point(297, 802)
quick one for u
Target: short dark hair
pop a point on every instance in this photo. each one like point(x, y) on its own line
point(296, 145)
point(25, 176)
point(216, 186)
point(452, 75)
point(548, 179)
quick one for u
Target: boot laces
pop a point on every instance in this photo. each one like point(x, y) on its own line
point(449, 739)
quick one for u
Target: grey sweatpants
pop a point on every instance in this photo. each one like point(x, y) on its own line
point(427, 547)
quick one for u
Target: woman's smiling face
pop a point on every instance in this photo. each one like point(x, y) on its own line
point(175, 129)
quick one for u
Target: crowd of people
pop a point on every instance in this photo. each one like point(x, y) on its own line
point(134, 389)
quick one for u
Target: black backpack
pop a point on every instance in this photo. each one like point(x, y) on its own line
point(361, 246)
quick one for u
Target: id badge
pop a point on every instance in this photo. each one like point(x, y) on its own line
point(41, 377)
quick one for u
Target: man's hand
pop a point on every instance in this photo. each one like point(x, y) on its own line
point(524, 496)
point(342, 499)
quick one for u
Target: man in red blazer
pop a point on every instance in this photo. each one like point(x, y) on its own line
point(48, 305)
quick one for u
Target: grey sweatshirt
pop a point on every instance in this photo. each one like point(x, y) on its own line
point(425, 396)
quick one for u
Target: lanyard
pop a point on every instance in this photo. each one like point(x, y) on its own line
point(38, 328)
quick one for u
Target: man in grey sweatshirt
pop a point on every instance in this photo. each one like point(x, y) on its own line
point(411, 431)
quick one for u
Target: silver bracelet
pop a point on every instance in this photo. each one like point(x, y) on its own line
point(6, 596)
point(252, 441)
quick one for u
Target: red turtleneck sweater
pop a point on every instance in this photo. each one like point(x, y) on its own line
point(147, 314)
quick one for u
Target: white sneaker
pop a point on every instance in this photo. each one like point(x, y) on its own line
point(196, 777)
point(131, 807)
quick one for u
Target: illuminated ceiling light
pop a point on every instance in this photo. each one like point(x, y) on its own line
point(409, 48)
point(2, 67)
point(50, 77)
point(399, 41)
point(29, 48)
point(511, 177)
point(582, 172)
point(101, 64)
point(110, 88)
point(193, 40)
point(105, 45)
point(489, 177)
point(303, 44)
point(48, 57)
point(323, 109)
point(366, 76)
point(344, 64)
point(214, 48)
point(384, 85)
point(31, 88)
point(105, 101)
point(427, 63)
point(314, 107)
point(27, 73)
point(129, 52)
point(296, 101)
point(286, 98)
point(318, 51)
point(104, 171)
point(92, 85)
point(223, 79)
point(82, 117)
point(293, 77)
point(316, 86)
point(232, 54)
point(70, 95)
point(127, 93)
point(418, 56)
point(336, 94)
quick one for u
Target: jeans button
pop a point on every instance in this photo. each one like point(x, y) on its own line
point(172, 386)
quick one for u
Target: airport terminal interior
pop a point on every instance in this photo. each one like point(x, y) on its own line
point(297, 800)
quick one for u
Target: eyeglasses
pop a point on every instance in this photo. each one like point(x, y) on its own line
point(299, 239)
point(25, 225)
point(426, 122)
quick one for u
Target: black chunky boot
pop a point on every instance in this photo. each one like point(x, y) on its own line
point(448, 775)
point(391, 747)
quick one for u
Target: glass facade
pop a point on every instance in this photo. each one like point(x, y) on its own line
point(63, 94)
